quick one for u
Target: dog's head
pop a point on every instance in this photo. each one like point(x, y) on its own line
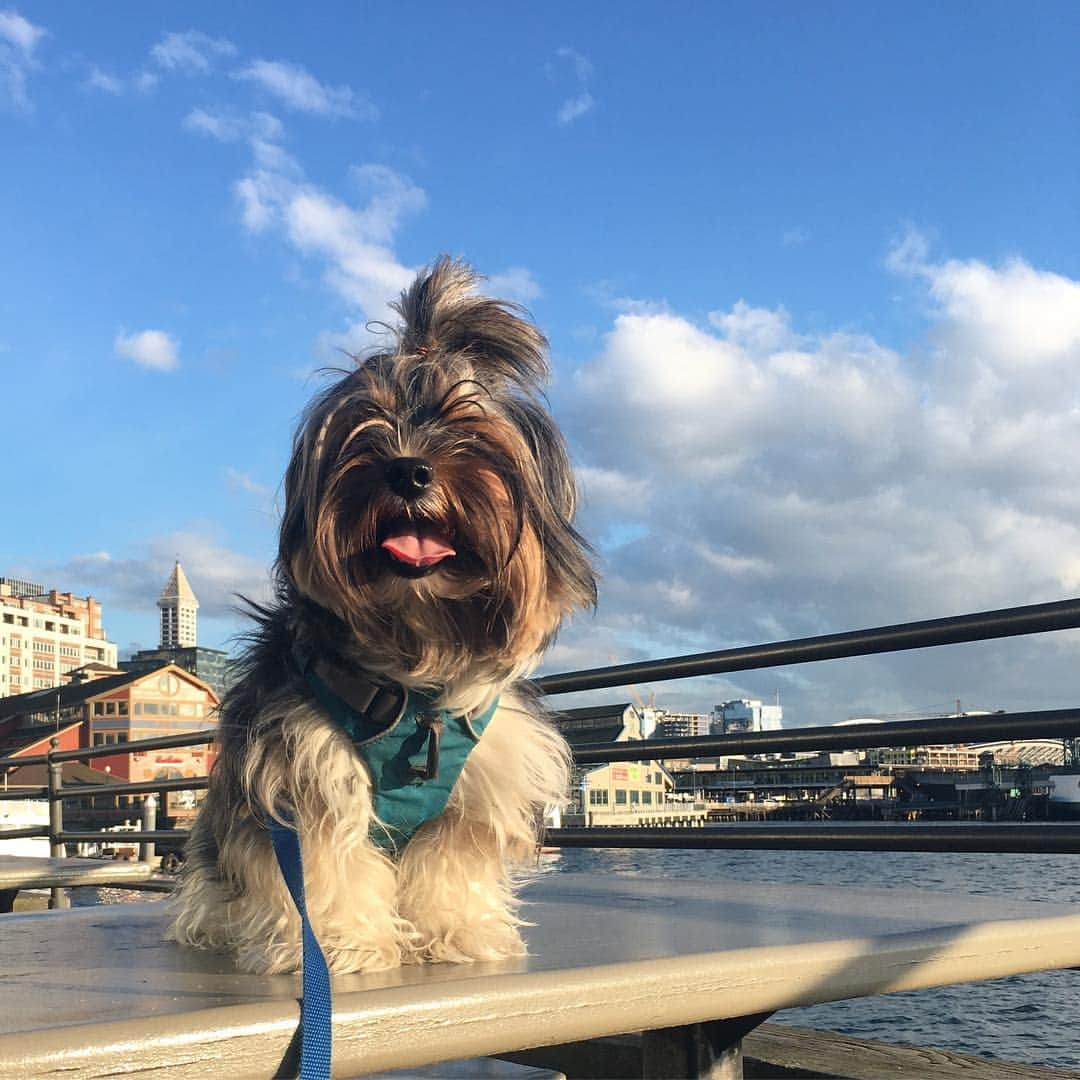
point(429, 497)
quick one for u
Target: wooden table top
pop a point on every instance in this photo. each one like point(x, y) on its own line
point(608, 955)
point(31, 872)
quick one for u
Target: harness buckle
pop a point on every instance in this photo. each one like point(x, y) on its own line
point(432, 720)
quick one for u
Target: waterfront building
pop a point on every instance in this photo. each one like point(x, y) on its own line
point(743, 715)
point(627, 793)
point(954, 756)
point(620, 792)
point(212, 666)
point(113, 709)
point(600, 724)
point(45, 635)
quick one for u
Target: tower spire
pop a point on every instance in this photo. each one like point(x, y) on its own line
point(178, 611)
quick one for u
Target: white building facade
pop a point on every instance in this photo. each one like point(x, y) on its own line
point(45, 634)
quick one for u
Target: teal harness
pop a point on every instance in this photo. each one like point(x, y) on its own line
point(414, 751)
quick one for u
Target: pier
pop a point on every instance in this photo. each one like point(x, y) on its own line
point(694, 967)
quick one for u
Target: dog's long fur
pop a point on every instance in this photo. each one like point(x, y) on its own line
point(460, 390)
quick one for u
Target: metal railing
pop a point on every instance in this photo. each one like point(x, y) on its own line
point(1008, 622)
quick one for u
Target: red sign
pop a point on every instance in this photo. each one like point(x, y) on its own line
point(619, 772)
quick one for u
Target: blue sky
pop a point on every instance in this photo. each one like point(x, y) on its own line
point(810, 274)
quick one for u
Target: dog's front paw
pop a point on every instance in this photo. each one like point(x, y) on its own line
point(466, 942)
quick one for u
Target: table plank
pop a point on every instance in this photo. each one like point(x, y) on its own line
point(609, 955)
point(30, 872)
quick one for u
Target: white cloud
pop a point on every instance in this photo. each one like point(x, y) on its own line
point(152, 349)
point(298, 89)
point(515, 283)
point(353, 244)
point(226, 125)
point(795, 484)
point(19, 39)
point(190, 53)
point(133, 582)
point(103, 81)
point(577, 105)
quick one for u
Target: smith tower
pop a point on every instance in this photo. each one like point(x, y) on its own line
point(178, 607)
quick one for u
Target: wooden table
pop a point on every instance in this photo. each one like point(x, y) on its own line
point(95, 991)
point(30, 872)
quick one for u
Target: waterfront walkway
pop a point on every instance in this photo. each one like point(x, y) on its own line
point(609, 955)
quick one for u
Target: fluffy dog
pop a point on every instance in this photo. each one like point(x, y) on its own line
point(426, 550)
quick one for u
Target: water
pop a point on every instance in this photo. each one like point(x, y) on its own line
point(1026, 1018)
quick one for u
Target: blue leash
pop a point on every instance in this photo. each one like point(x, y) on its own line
point(316, 1005)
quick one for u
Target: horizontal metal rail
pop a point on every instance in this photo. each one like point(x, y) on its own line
point(78, 791)
point(122, 836)
point(1018, 839)
point(1005, 622)
point(139, 746)
point(1039, 838)
point(21, 834)
point(30, 759)
point(995, 727)
point(24, 793)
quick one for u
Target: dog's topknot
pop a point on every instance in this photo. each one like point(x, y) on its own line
point(442, 314)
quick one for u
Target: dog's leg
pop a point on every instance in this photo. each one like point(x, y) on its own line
point(456, 876)
point(233, 895)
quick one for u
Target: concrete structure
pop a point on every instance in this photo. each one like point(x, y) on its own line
point(179, 621)
point(45, 635)
point(743, 715)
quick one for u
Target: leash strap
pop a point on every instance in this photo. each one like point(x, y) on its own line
point(316, 1005)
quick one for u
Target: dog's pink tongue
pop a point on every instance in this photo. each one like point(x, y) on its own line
point(418, 549)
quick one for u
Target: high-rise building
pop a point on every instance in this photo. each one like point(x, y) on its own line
point(179, 638)
point(46, 634)
point(743, 715)
point(178, 611)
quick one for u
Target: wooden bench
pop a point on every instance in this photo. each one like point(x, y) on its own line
point(694, 965)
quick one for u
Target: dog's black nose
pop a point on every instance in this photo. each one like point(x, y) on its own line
point(409, 477)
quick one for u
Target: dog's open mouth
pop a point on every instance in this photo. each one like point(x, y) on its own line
point(417, 546)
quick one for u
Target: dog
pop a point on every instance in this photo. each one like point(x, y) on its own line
point(427, 556)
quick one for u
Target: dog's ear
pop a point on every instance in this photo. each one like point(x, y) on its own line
point(443, 315)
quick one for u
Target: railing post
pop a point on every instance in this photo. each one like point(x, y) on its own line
point(57, 897)
point(149, 824)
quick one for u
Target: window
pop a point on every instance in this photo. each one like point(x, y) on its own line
point(635, 797)
point(99, 708)
point(646, 798)
point(598, 797)
point(122, 708)
point(620, 797)
point(110, 708)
